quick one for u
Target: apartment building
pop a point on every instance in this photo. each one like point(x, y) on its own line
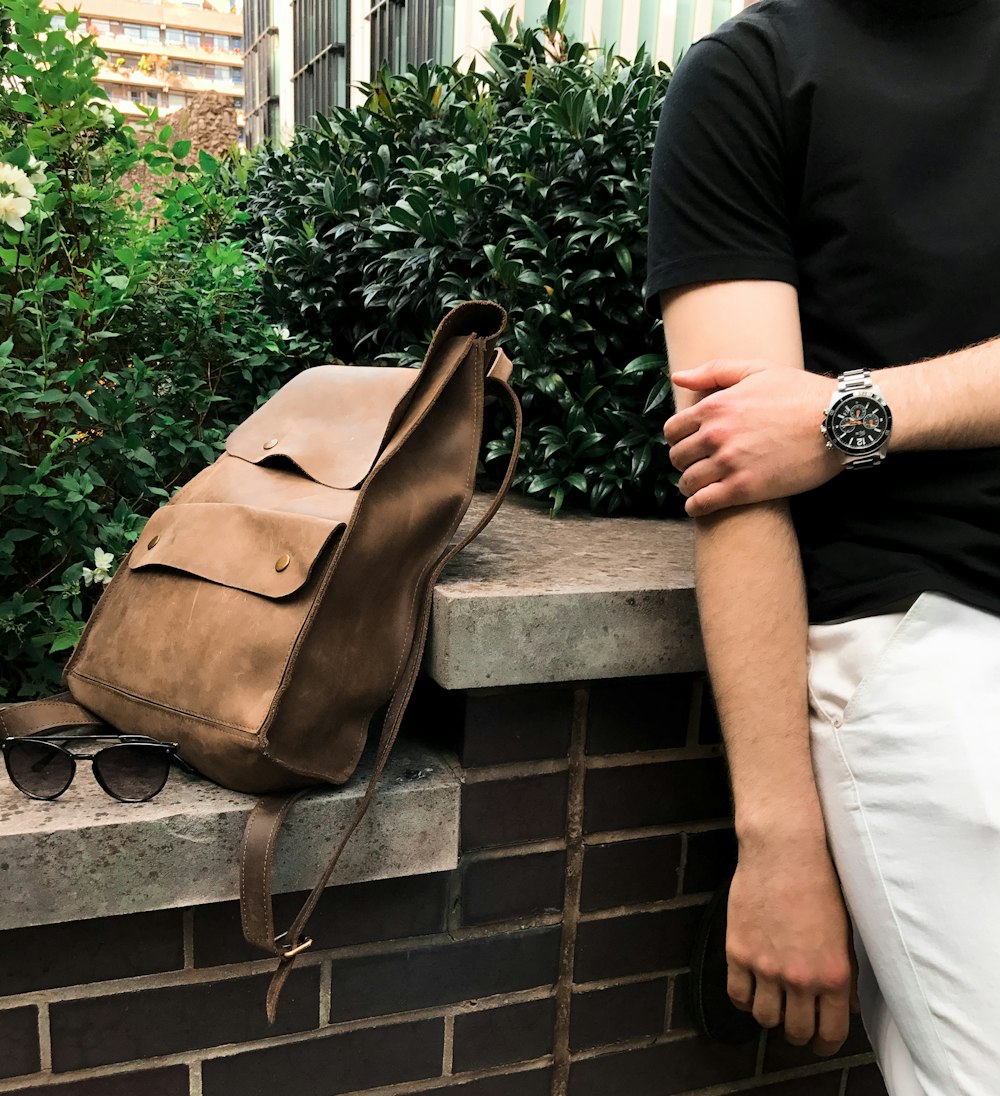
point(305, 56)
point(161, 54)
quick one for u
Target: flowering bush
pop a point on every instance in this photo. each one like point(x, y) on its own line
point(127, 349)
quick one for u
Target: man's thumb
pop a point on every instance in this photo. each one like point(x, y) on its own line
point(715, 374)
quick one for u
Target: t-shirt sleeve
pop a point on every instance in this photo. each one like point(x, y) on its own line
point(718, 206)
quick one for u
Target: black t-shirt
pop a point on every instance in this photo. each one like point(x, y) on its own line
point(852, 149)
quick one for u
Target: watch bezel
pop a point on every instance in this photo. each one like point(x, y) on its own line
point(833, 442)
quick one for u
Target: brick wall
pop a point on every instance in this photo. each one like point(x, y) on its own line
point(550, 963)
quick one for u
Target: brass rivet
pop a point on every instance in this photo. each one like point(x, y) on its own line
point(282, 562)
point(153, 541)
point(271, 443)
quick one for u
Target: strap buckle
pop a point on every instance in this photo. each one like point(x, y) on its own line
point(290, 950)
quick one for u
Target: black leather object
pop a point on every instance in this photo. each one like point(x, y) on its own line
point(714, 1013)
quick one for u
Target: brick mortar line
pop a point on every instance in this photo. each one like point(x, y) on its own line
point(683, 901)
point(195, 1056)
point(44, 1039)
point(682, 865)
point(654, 757)
point(598, 984)
point(325, 992)
point(752, 1084)
point(402, 1088)
point(758, 1069)
point(668, 1006)
point(194, 1079)
point(448, 1054)
point(641, 833)
point(576, 781)
point(773, 1077)
point(695, 710)
point(187, 936)
point(253, 967)
point(507, 852)
point(444, 1084)
point(511, 770)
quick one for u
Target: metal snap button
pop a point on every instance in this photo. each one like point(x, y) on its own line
point(153, 541)
point(282, 562)
point(270, 443)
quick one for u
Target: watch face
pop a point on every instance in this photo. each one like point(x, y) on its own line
point(858, 424)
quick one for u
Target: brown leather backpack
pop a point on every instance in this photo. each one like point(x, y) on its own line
point(282, 597)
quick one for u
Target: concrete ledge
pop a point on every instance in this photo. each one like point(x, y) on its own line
point(574, 598)
point(86, 855)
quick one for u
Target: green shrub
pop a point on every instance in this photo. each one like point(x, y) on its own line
point(527, 183)
point(127, 350)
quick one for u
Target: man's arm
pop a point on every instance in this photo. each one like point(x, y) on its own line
point(788, 934)
point(755, 436)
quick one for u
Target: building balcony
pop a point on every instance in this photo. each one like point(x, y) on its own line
point(120, 43)
point(218, 20)
point(166, 81)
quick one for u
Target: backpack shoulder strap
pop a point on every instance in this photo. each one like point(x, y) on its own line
point(266, 819)
point(54, 713)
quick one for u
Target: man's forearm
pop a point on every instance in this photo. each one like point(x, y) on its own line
point(755, 433)
point(753, 616)
point(950, 402)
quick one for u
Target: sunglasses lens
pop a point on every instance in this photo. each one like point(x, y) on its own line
point(38, 769)
point(132, 773)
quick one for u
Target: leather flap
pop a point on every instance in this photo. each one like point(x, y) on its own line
point(331, 420)
point(265, 552)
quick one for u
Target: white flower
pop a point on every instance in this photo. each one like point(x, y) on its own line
point(100, 571)
point(12, 211)
point(102, 113)
point(14, 180)
point(37, 170)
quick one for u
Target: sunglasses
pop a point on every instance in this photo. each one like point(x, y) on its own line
point(131, 771)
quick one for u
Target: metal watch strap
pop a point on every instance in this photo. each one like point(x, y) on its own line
point(854, 380)
point(859, 380)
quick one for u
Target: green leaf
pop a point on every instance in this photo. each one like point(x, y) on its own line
point(207, 162)
point(181, 149)
point(144, 456)
point(644, 363)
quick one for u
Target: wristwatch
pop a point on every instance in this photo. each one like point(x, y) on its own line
point(858, 421)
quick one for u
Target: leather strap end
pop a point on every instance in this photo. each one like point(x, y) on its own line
point(278, 980)
point(500, 368)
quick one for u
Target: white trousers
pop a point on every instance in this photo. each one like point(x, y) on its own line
point(906, 749)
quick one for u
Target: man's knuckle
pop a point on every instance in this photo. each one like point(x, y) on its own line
point(834, 979)
point(767, 969)
point(713, 434)
point(800, 979)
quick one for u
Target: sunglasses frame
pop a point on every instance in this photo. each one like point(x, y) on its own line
point(118, 740)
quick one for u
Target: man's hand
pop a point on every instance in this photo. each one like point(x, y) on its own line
point(788, 945)
point(752, 436)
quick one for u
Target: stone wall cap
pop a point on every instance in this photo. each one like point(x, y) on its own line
point(86, 855)
point(571, 598)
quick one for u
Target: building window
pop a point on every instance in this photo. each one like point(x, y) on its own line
point(320, 57)
point(409, 32)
